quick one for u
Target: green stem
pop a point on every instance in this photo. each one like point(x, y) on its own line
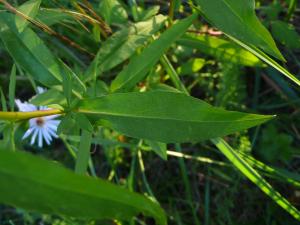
point(15, 116)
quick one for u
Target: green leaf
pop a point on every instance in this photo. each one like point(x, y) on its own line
point(221, 49)
point(83, 122)
point(166, 116)
point(278, 173)
point(29, 51)
point(136, 71)
point(68, 125)
point(54, 16)
point(49, 97)
point(3, 101)
point(192, 66)
point(237, 18)
point(264, 57)
point(286, 34)
point(159, 148)
point(122, 45)
point(30, 9)
point(255, 177)
point(113, 11)
point(83, 155)
point(12, 88)
point(49, 188)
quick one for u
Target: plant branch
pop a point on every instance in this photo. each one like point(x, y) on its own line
point(16, 116)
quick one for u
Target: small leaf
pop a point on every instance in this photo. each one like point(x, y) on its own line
point(159, 148)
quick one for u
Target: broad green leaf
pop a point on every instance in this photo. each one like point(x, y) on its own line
point(237, 18)
point(136, 71)
point(49, 188)
point(122, 45)
point(246, 169)
point(221, 49)
point(166, 116)
point(30, 9)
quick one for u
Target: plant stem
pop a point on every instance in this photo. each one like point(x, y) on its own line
point(15, 116)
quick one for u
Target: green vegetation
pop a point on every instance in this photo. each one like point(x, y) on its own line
point(149, 112)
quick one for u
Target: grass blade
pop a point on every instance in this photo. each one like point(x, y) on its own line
point(246, 169)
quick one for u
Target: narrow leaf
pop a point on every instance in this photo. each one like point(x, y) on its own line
point(264, 57)
point(122, 45)
point(29, 9)
point(255, 177)
point(83, 156)
point(12, 88)
point(221, 49)
point(136, 70)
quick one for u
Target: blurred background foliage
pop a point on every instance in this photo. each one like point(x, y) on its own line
point(191, 190)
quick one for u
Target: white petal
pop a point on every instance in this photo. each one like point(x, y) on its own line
point(27, 133)
point(36, 130)
point(40, 138)
point(51, 117)
point(41, 90)
point(54, 123)
point(52, 133)
point(32, 122)
point(43, 108)
point(25, 107)
point(47, 136)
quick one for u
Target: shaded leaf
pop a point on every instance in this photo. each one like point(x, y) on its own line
point(136, 71)
point(49, 188)
point(237, 18)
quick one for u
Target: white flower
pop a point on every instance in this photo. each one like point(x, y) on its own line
point(41, 127)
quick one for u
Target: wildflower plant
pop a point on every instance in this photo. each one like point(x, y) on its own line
point(40, 128)
point(143, 100)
